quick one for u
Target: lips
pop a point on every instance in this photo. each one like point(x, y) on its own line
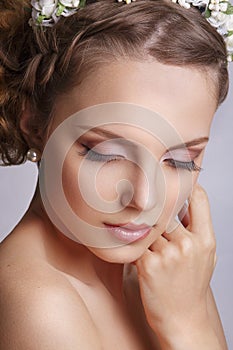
point(128, 232)
point(130, 226)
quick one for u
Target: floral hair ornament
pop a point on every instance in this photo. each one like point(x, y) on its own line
point(219, 13)
point(47, 12)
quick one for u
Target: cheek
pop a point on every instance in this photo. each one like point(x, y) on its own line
point(110, 176)
point(103, 183)
point(70, 182)
point(173, 189)
point(179, 185)
point(74, 196)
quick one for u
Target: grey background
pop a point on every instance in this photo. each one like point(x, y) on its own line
point(17, 184)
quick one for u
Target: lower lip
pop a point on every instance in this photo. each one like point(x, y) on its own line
point(127, 235)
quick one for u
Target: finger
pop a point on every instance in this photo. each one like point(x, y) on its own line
point(177, 233)
point(199, 211)
point(158, 244)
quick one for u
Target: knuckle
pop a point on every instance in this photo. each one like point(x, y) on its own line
point(148, 265)
point(209, 244)
point(170, 253)
point(186, 245)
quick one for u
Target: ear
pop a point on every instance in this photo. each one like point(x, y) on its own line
point(32, 136)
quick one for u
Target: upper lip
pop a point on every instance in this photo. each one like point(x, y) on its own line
point(131, 226)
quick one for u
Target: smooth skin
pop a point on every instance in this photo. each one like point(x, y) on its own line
point(150, 295)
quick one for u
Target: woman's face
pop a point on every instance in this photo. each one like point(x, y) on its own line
point(185, 100)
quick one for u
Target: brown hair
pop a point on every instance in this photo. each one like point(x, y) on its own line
point(37, 63)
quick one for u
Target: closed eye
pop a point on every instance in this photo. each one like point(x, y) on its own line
point(191, 165)
point(98, 157)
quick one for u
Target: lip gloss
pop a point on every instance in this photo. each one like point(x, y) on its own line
point(128, 235)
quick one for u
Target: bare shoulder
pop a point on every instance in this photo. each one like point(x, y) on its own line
point(43, 313)
point(40, 309)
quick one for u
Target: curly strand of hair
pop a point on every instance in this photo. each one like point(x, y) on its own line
point(29, 79)
point(47, 72)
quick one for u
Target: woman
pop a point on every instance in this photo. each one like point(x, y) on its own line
point(134, 286)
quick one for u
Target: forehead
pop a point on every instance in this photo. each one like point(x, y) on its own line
point(183, 96)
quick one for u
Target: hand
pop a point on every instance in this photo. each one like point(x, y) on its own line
point(175, 272)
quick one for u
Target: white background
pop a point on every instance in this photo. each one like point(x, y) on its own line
point(17, 184)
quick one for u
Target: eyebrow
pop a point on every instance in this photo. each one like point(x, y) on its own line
point(191, 143)
point(111, 135)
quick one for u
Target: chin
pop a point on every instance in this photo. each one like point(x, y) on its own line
point(120, 255)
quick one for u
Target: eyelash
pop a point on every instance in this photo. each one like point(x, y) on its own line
point(191, 166)
point(98, 157)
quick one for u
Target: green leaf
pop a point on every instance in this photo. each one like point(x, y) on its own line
point(41, 18)
point(60, 9)
point(82, 3)
point(229, 10)
point(230, 33)
point(207, 13)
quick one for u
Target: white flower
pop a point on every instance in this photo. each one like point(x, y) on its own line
point(48, 12)
point(222, 17)
point(229, 23)
point(184, 4)
point(198, 3)
point(45, 7)
point(68, 12)
point(70, 3)
point(229, 43)
point(218, 20)
point(223, 6)
point(213, 20)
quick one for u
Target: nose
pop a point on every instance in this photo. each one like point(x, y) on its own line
point(145, 185)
